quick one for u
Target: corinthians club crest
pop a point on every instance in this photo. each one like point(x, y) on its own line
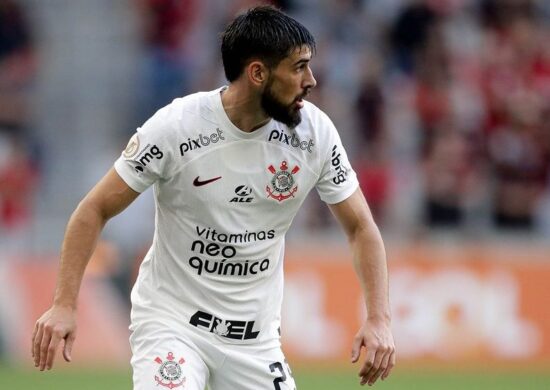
point(170, 374)
point(282, 183)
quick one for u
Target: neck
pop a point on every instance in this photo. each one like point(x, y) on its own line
point(243, 108)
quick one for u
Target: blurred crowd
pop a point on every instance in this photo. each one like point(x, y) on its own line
point(444, 104)
point(19, 157)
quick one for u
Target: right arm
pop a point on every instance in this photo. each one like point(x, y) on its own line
point(108, 198)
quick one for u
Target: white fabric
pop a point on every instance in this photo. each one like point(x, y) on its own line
point(164, 359)
point(216, 262)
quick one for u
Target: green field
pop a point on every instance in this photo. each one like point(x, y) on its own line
point(23, 379)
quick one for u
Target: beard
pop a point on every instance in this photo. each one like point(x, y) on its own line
point(279, 111)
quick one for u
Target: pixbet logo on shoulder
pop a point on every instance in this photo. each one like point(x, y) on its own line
point(197, 143)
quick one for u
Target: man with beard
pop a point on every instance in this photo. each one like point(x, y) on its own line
point(231, 168)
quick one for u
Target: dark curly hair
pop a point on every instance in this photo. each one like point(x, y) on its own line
point(262, 32)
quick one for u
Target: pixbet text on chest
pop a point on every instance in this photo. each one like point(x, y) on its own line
point(202, 140)
point(294, 141)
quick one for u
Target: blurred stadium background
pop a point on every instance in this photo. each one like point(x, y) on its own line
point(444, 106)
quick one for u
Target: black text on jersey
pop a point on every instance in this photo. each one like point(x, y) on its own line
point(232, 329)
point(201, 141)
point(147, 155)
point(242, 193)
point(341, 173)
point(294, 141)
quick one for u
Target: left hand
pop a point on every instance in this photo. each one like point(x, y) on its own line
point(376, 337)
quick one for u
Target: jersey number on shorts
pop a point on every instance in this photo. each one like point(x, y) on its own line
point(279, 379)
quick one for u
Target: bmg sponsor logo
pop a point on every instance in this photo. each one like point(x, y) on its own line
point(341, 172)
point(294, 141)
point(147, 155)
point(201, 141)
point(232, 329)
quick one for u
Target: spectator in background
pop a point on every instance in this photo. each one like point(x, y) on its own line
point(169, 63)
point(444, 149)
point(449, 169)
point(18, 160)
point(444, 158)
point(444, 82)
point(373, 168)
point(516, 88)
point(17, 184)
point(410, 33)
point(16, 65)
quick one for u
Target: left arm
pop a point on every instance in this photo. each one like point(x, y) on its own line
point(369, 258)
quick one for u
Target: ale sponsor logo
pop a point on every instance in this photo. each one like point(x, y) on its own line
point(243, 195)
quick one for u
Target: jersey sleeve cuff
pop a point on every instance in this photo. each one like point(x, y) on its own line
point(341, 195)
point(126, 172)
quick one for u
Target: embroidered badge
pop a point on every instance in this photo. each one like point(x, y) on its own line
point(170, 374)
point(132, 147)
point(282, 183)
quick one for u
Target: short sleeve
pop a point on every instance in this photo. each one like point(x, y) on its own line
point(338, 180)
point(146, 159)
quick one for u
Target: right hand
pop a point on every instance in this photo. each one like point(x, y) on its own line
point(58, 323)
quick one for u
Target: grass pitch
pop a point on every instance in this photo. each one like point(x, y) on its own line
point(306, 379)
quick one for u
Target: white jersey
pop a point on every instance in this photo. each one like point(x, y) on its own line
point(224, 201)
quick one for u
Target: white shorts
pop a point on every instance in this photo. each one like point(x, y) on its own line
point(161, 358)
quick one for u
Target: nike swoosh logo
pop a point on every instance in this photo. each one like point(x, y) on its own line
point(197, 182)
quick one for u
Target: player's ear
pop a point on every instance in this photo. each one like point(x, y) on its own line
point(257, 73)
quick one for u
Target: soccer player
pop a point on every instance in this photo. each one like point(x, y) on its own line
point(231, 168)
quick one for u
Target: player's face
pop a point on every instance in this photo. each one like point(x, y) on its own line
point(288, 83)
